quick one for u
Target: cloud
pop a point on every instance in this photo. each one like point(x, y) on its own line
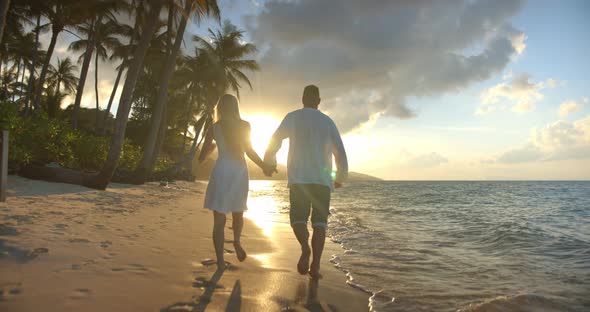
point(368, 57)
point(560, 140)
point(569, 107)
point(521, 94)
point(427, 160)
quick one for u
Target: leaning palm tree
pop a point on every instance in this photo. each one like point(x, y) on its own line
point(198, 8)
point(149, 26)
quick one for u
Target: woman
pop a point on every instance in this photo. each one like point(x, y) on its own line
point(228, 185)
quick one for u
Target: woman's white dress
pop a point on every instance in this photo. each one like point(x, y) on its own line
point(227, 190)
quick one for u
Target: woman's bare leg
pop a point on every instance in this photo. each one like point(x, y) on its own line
point(218, 237)
point(238, 225)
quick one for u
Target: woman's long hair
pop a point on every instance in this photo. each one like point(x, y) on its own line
point(232, 126)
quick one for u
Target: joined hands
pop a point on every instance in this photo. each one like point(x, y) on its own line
point(269, 169)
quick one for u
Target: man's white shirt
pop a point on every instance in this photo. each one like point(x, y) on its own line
point(313, 139)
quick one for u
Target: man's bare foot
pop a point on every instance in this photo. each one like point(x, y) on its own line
point(314, 272)
point(240, 252)
point(303, 264)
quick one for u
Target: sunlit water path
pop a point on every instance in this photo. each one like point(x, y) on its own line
point(447, 246)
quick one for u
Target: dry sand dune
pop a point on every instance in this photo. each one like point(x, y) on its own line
point(145, 248)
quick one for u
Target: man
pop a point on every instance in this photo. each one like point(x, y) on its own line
point(313, 139)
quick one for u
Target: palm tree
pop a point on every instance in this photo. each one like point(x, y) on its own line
point(122, 52)
point(149, 26)
point(4, 4)
point(53, 99)
point(104, 40)
point(217, 66)
point(203, 7)
point(61, 14)
point(63, 73)
point(228, 49)
point(99, 35)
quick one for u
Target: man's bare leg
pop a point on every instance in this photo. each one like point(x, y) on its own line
point(238, 225)
point(218, 237)
point(302, 234)
point(317, 244)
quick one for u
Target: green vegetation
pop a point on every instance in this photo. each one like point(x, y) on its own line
point(168, 91)
point(42, 140)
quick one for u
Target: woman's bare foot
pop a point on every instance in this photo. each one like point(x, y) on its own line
point(314, 271)
point(303, 264)
point(240, 252)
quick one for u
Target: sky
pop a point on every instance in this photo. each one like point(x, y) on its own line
point(422, 90)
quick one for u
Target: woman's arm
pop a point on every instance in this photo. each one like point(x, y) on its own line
point(208, 145)
point(251, 153)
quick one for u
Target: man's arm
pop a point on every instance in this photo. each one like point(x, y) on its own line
point(340, 158)
point(276, 141)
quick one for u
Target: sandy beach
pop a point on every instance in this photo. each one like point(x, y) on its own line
point(145, 248)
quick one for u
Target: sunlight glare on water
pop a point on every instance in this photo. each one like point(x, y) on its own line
point(263, 207)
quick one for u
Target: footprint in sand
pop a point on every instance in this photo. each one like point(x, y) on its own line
point(36, 252)
point(6, 229)
point(209, 262)
point(80, 293)
point(228, 251)
point(132, 267)
point(9, 291)
point(106, 244)
point(79, 240)
point(60, 226)
point(202, 283)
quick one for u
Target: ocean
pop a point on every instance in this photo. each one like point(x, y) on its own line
point(457, 246)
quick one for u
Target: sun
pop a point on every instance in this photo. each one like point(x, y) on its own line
point(262, 129)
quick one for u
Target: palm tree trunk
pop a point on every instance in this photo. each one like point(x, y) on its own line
point(96, 93)
point(33, 64)
point(115, 86)
point(39, 91)
point(4, 4)
point(161, 138)
point(82, 82)
point(149, 153)
point(199, 127)
point(101, 180)
point(17, 77)
point(188, 119)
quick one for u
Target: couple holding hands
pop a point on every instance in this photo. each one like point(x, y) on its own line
point(313, 140)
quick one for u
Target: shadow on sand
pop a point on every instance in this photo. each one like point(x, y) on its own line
point(306, 299)
point(200, 304)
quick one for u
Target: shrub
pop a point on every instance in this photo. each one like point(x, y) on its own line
point(41, 140)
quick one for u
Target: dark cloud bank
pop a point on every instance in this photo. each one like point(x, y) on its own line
point(368, 57)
